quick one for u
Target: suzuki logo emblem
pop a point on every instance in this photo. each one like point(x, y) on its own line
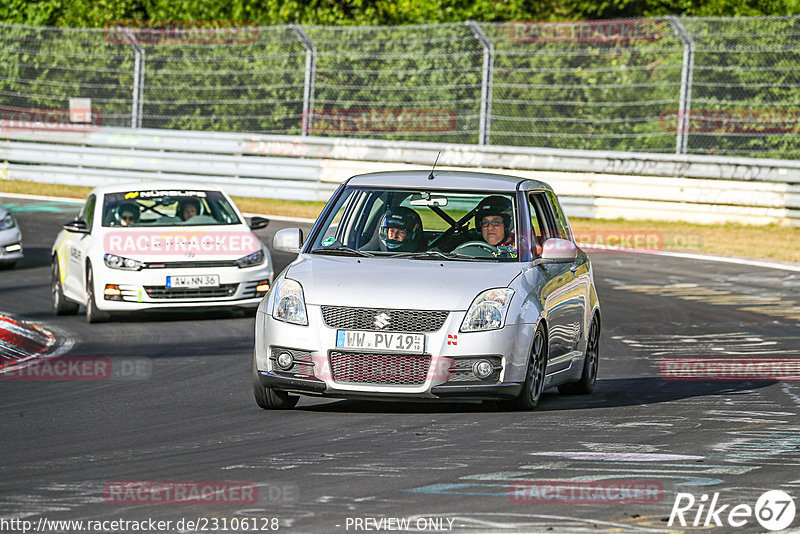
point(382, 320)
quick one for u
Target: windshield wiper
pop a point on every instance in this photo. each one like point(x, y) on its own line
point(343, 251)
point(435, 254)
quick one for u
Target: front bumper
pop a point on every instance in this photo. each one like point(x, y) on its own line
point(316, 387)
point(10, 239)
point(446, 349)
point(146, 289)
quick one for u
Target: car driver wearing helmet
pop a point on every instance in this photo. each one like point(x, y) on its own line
point(127, 213)
point(493, 221)
point(400, 230)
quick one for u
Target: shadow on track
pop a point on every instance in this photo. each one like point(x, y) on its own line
point(610, 393)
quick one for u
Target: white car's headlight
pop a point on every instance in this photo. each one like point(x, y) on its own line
point(7, 222)
point(288, 303)
point(488, 311)
point(118, 262)
point(256, 258)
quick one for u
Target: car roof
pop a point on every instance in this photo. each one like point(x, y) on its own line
point(150, 186)
point(444, 179)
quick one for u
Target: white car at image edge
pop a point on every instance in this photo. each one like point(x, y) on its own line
point(146, 246)
point(10, 240)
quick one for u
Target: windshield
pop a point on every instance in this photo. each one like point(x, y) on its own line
point(154, 208)
point(422, 224)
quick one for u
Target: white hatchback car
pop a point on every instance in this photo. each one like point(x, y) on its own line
point(416, 285)
point(146, 246)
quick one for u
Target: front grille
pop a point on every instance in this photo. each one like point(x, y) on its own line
point(398, 321)
point(163, 292)
point(189, 264)
point(383, 369)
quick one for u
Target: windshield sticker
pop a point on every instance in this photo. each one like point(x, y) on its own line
point(164, 193)
point(328, 241)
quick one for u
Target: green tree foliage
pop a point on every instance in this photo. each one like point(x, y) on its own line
point(98, 13)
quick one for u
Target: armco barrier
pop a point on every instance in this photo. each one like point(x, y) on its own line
point(701, 189)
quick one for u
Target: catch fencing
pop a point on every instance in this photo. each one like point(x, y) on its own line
point(714, 86)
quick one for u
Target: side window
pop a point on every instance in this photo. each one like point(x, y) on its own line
point(87, 213)
point(537, 219)
point(545, 226)
point(562, 225)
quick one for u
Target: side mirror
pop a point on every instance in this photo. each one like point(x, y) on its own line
point(557, 251)
point(288, 240)
point(258, 222)
point(77, 227)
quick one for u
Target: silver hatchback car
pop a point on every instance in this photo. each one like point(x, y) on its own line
point(430, 285)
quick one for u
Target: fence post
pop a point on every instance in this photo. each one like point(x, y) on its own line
point(685, 104)
point(308, 83)
point(486, 81)
point(138, 80)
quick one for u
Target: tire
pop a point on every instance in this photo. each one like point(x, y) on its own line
point(94, 314)
point(591, 358)
point(61, 306)
point(535, 377)
point(269, 399)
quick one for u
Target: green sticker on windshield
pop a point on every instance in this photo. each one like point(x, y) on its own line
point(328, 241)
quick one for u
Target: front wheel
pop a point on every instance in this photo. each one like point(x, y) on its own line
point(93, 313)
point(269, 399)
point(61, 306)
point(585, 385)
point(537, 369)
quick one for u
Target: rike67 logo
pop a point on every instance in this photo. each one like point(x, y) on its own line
point(774, 510)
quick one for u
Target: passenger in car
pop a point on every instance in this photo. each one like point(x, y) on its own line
point(188, 208)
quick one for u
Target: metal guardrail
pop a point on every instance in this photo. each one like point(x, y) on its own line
point(592, 183)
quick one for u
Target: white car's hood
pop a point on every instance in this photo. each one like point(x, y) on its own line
point(195, 243)
point(397, 283)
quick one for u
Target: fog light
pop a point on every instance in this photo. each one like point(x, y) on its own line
point(262, 286)
point(13, 248)
point(112, 292)
point(482, 368)
point(285, 361)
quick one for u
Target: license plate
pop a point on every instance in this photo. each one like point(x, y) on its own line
point(200, 280)
point(388, 341)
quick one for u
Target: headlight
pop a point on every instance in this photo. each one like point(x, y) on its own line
point(488, 311)
point(255, 258)
point(118, 262)
point(288, 303)
point(7, 222)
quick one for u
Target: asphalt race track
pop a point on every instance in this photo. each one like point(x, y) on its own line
point(345, 466)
